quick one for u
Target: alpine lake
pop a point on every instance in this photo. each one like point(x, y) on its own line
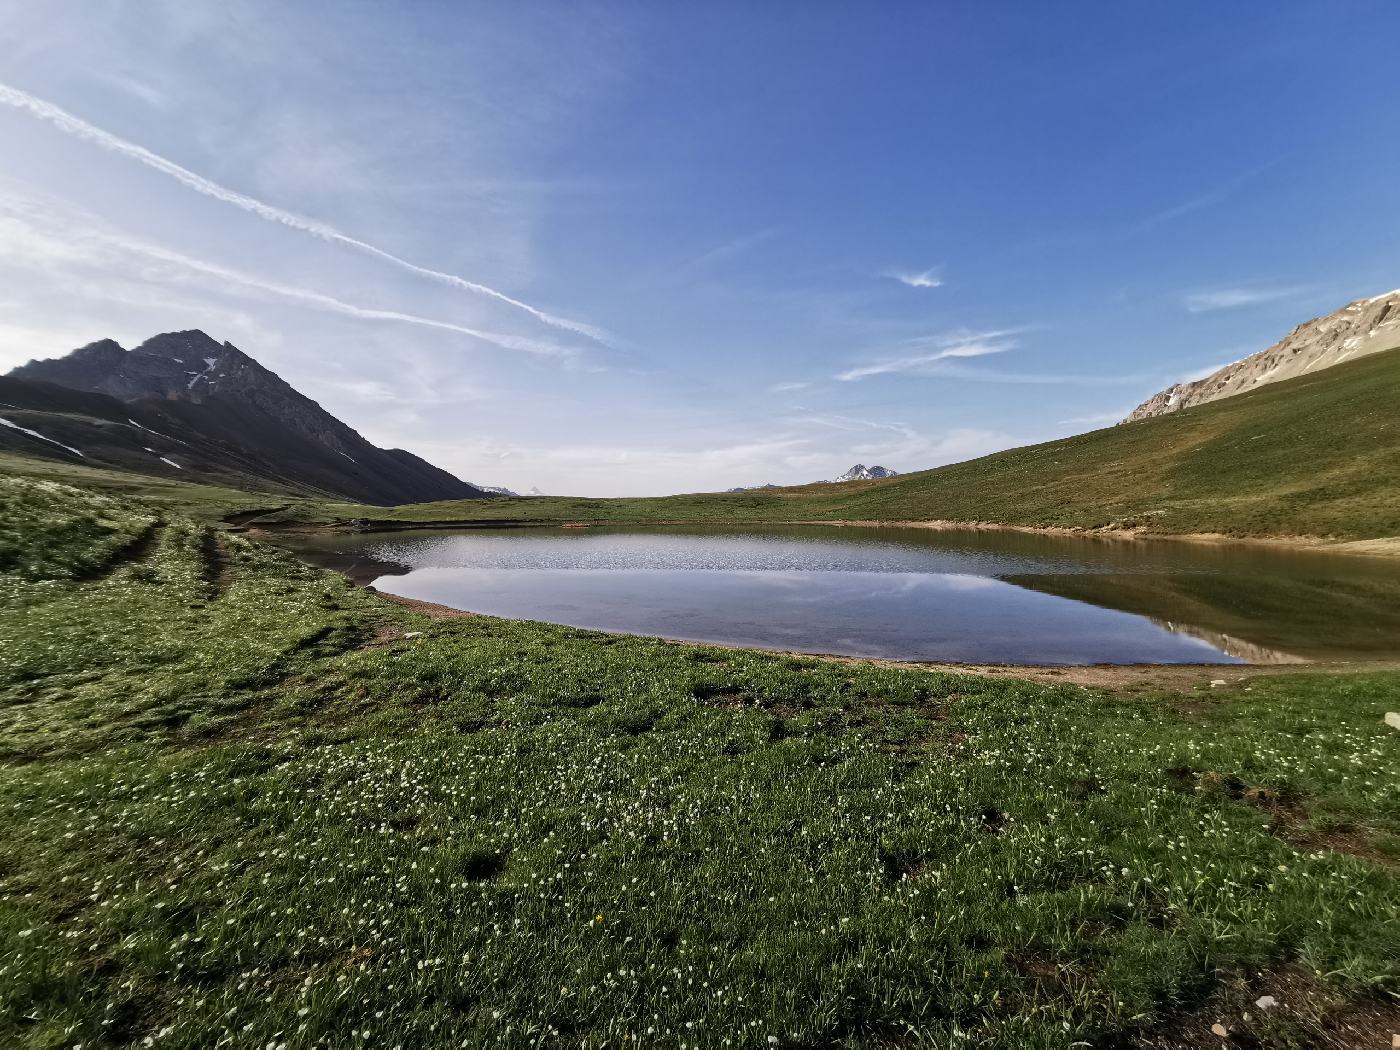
point(958, 596)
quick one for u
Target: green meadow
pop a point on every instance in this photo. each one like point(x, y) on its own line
point(245, 803)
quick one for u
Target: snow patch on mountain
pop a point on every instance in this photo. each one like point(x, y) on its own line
point(35, 434)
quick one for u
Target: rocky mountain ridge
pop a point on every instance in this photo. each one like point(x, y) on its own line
point(184, 404)
point(1366, 326)
point(860, 472)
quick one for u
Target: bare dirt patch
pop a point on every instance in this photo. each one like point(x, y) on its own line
point(218, 566)
point(1288, 813)
point(1290, 823)
point(244, 517)
point(1304, 1012)
point(431, 610)
point(386, 633)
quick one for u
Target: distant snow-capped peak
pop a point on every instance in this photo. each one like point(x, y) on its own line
point(860, 472)
point(501, 490)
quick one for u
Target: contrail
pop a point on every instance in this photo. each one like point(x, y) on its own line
point(327, 302)
point(34, 228)
point(81, 129)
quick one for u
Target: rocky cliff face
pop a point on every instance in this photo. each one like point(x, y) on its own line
point(1367, 326)
point(236, 422)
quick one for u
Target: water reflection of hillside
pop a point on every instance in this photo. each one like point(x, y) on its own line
point(1262, 619)
point(1229, 645)
point(359, 568)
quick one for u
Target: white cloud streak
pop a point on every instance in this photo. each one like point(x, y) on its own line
point(927, 279)
point(959, 344)
point(1096, 419)
point(953, 370)
point(1231, 298)
point(737, 246)
point(81, 129)
point(1196, 375)
point(855, 425)
point(76, 246)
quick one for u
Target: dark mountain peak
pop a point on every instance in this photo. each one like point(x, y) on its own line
point(101, 346)
point(102, 350)
point(176, 366)
point(216, 390)
point(193, 343)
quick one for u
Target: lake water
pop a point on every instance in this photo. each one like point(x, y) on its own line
point(910, 594)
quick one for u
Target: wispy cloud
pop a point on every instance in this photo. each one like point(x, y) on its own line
point(81, 129)
point(1096, 419)
point(927, 279)
point(954, 370)
point(414, 395)
point(727, 250)
point(82, 244)
point(1196, 375)
point(959, 344)
point(788, 388)
point(1231, 298)
point(851, 424)
point(1207, 199)
point(334, 305)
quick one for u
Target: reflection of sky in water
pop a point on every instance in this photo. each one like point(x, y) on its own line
point(735, 552)
point(895, 615)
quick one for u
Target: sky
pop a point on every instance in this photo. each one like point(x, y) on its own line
point(627, 248)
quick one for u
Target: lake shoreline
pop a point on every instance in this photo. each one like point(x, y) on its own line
point(1134, 676)
point(1376, 547)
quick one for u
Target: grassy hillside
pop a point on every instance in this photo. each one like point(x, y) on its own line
point(1318, 455)
point(245, 802)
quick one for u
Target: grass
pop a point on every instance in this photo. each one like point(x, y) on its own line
point(245, 803)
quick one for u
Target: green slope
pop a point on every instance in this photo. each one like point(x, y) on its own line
point(204, 502)
point(1318, 455)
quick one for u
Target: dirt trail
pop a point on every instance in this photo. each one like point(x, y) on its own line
point(218, 566)
point(431, 610)
point(138, 550)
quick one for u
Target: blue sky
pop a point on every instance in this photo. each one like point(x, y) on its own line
point(627, 248)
